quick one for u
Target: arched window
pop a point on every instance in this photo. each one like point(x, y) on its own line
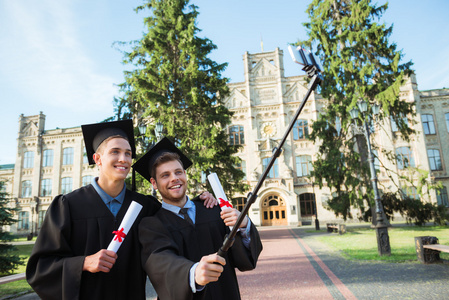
point(404, 157)
point(300, 130)
point(236, 135)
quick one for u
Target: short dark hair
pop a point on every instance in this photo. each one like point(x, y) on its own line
point(163, 158)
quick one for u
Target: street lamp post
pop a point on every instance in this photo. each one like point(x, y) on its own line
point(383, 240)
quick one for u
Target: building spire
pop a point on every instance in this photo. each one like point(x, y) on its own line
point(261, 42)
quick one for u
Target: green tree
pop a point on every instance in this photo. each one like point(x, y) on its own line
point(175, 82)
point(8, 262)
point(358, 63)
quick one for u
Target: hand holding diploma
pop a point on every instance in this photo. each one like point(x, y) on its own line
point(127, 222)
point(228, 214)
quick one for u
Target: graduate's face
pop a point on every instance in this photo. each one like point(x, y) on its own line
point(114, 159)
point(171, 181)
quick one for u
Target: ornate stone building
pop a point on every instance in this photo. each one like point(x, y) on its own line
point(48, 163)
point(264, 105)
point(51, 162)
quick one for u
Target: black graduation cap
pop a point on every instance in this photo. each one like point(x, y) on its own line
point(144, 165)
point(95, 134)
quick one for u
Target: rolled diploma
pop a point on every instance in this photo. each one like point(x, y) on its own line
point(127, 222)
point(219, 192)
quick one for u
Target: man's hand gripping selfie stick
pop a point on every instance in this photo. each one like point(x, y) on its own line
point(313, 70)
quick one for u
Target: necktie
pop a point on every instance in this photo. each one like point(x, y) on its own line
point(183, 212)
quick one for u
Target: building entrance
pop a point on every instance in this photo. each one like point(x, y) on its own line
point(273, 211)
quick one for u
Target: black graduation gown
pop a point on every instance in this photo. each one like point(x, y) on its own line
point(80, 224)
point(170, 246)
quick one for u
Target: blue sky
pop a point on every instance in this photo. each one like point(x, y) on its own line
point(57, 56)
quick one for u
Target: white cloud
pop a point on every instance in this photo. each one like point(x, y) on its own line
point(45, 54)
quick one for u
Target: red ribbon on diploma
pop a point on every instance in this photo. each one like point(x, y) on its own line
point(224, 203)
point(119, 235)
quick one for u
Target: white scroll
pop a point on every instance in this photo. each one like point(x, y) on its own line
point(219, 192)
point(127, 222)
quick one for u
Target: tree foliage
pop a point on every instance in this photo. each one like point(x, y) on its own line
point(8, 262)
point(175, 82)
point(359, 63)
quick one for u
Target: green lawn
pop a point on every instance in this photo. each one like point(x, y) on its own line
point(361, 243)
point(19, 286)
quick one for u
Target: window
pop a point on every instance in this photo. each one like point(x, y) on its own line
point(300, 130)
point(87, 180)
point(434, 159)
point(85, 159)
point(236, 135)
point(66, 185)
point(394, 124)
point(274, 171)
point(242, 167)
point(428, 124)
point(307, 204)
point(240, 203)
point(41, 218)
point(26, 189)
point(67, 156)
point(28, 160)
point(303, 165)
point(47, 159)
point(404, 157)
point(23, 222)
point(442, 198)
point(46, 187)
point(411, 192)
point(447, 121)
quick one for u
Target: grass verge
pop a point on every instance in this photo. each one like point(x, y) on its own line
point(15, 287)
point(361, 243)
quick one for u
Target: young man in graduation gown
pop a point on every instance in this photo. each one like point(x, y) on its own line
point(69, 259)
point(180, 242)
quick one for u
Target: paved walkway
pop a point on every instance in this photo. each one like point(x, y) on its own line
point(295, 265)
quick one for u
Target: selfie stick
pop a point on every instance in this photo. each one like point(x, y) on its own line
point(313, 70)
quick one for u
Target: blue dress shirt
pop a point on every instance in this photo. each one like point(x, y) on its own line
point(114, 204)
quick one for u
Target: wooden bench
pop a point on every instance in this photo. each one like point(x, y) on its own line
point(428, 249)
point(336, 227)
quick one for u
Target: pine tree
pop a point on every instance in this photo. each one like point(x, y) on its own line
point(8, 262)
point(359, 63)
point(175, 82)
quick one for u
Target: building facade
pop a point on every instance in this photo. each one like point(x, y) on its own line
point(265, 104)
point(48, 163)
point(53, 162)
